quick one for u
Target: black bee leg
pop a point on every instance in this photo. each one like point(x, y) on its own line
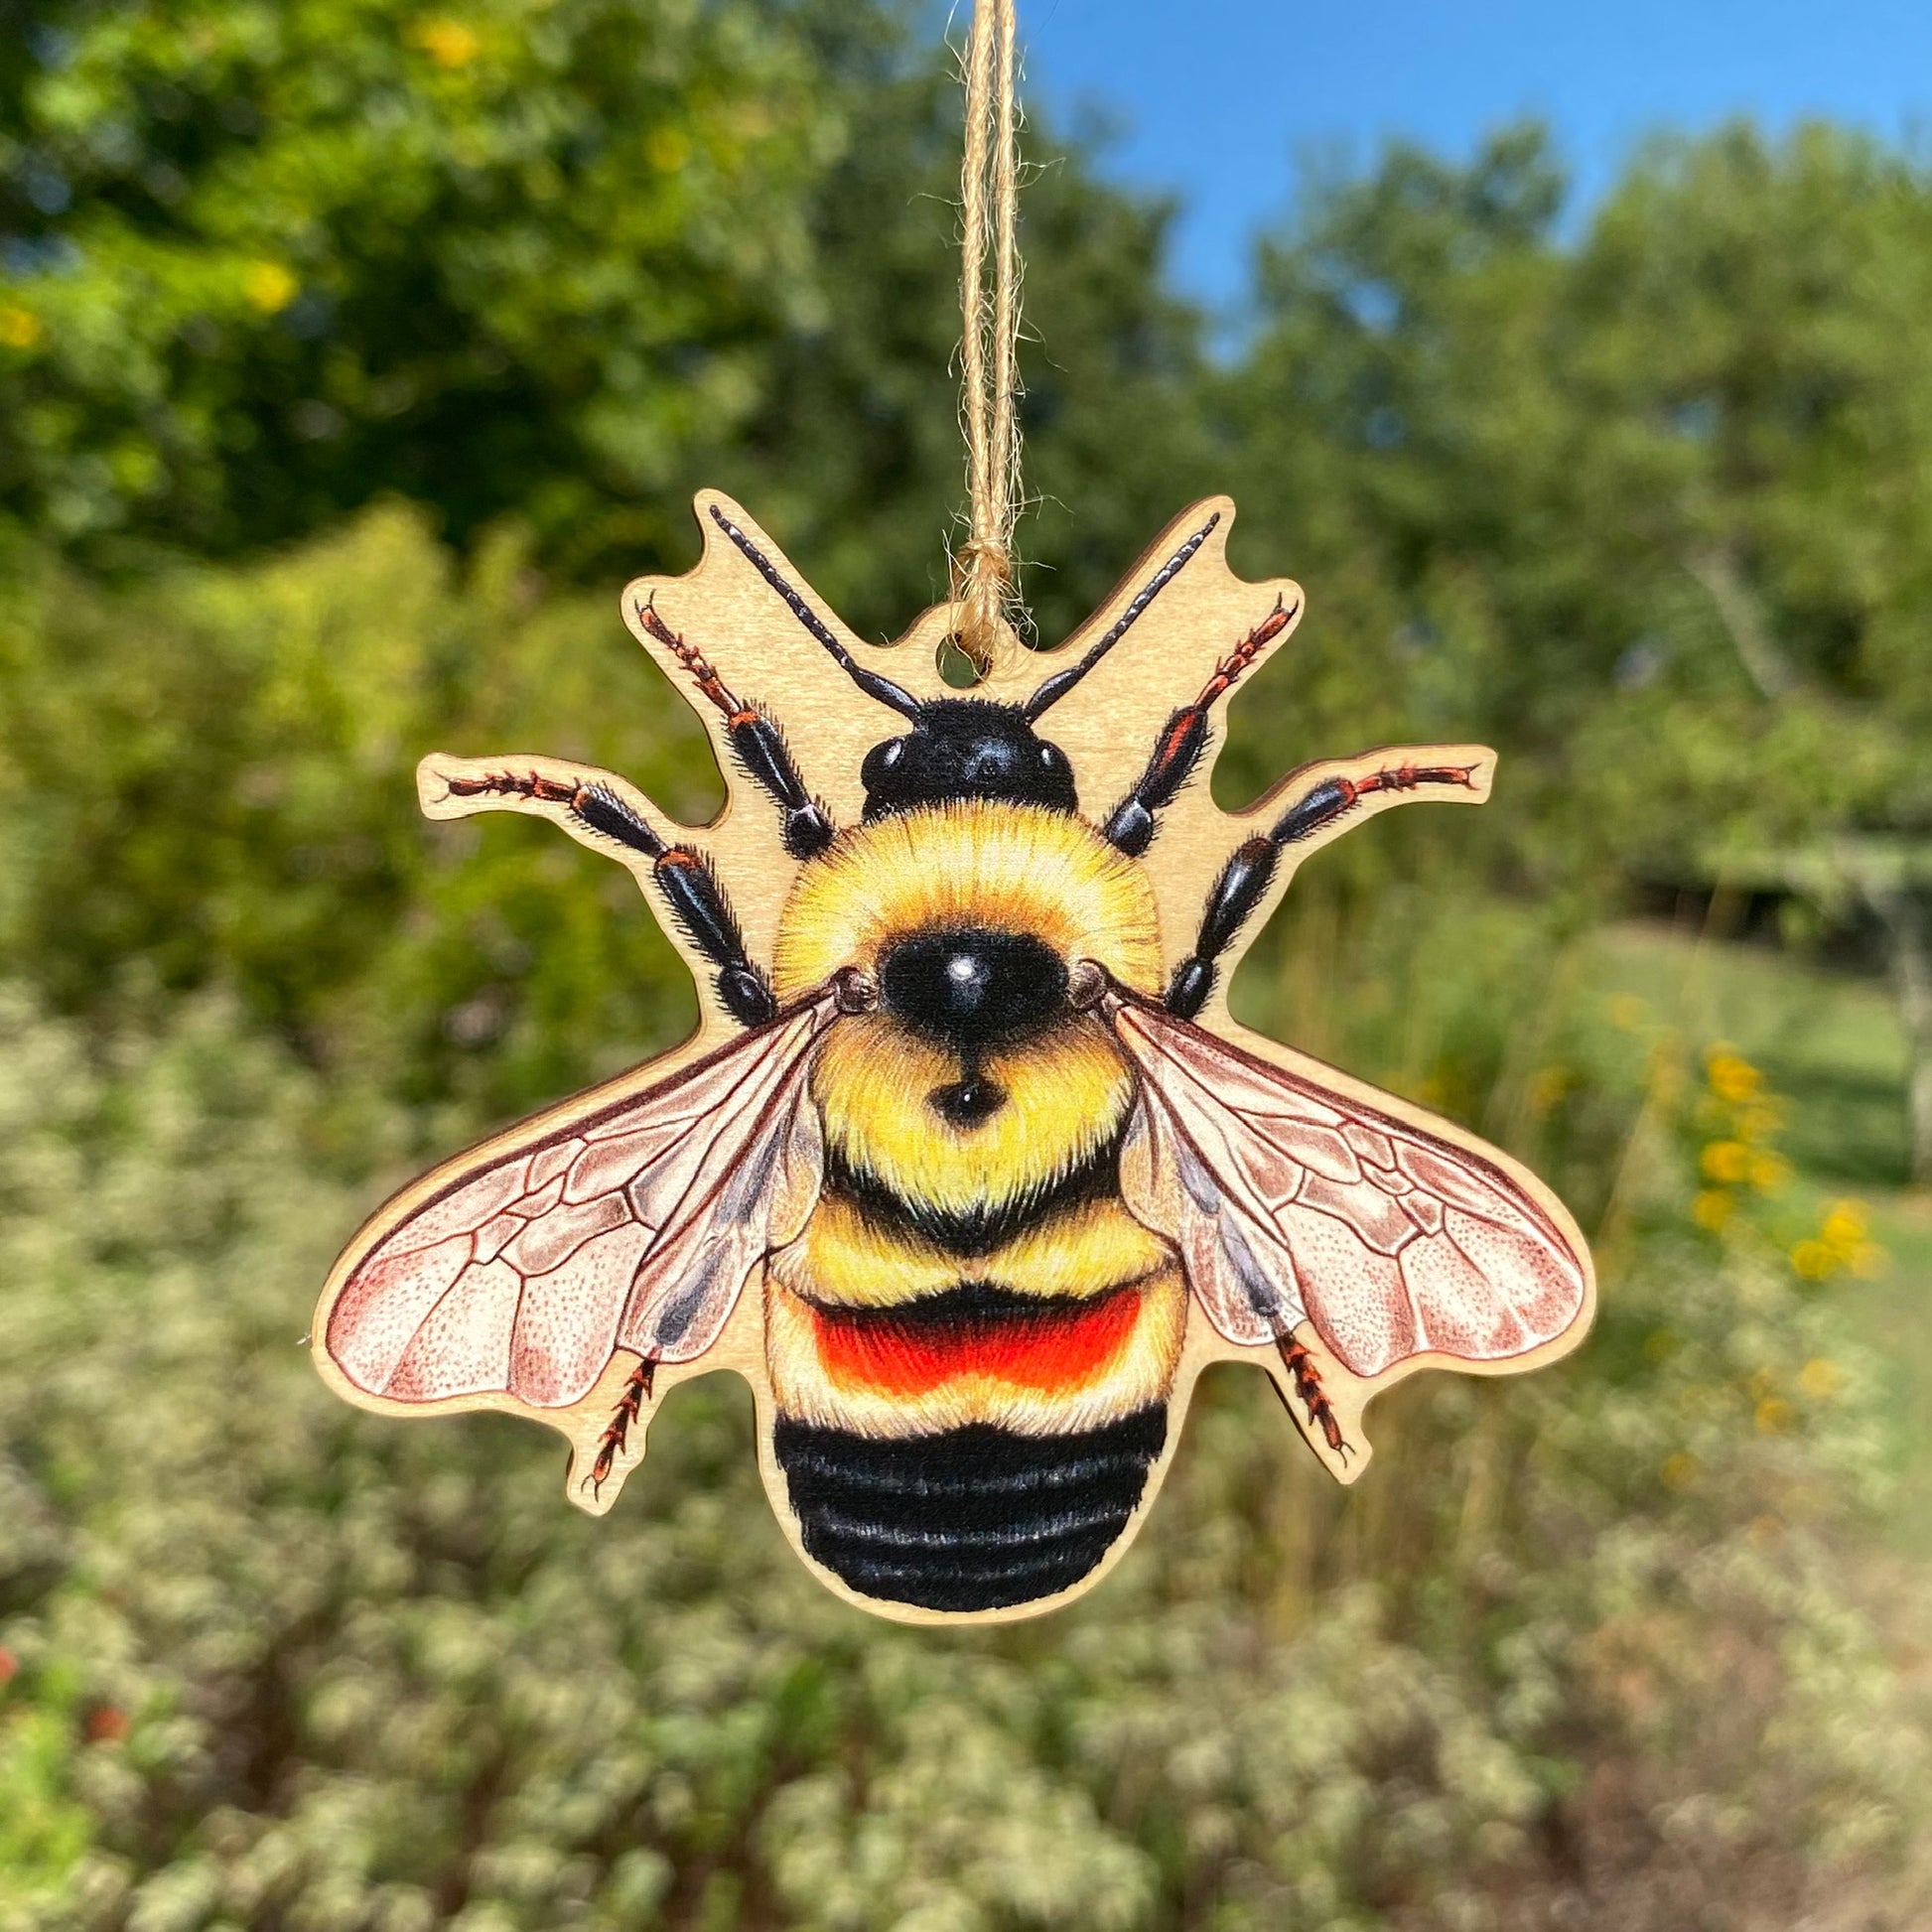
point(1308, 1393)
point(1249, 871)
point(1182, 739)
point(681, 873)
point(696, 897)
point(611, 1445)
point(758, 744)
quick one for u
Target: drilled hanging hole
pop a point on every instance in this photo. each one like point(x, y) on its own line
point(955, 666)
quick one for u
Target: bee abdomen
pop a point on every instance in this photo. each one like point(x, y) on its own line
point(970, 1519)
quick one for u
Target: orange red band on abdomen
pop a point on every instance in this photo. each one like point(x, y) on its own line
point(1042, 1350)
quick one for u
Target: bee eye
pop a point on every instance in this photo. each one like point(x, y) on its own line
point(881, 762)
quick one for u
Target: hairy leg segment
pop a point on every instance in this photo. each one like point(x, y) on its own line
point(591, 804)
point(611, 1445)
point(1249, 871)
point(1132, 825)
point(1310, 1393)
point(760, 745)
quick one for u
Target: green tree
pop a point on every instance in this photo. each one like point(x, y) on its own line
point(212, 779)
point(1653, 511)
point(561, 258)
point(263, 259)
point(212, 782)
point(855, 457)
point(1750, 316)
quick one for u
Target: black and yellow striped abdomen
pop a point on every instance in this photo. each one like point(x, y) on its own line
point(976, 1519)
point(972, 1343)
point(969, 1429)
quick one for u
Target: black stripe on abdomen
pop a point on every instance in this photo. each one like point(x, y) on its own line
point(977, 1230)
point(972, 1519)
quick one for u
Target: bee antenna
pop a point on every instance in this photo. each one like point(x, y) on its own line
point(870, 682)
point(1061, 682)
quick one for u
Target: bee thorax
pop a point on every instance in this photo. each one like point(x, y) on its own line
point(971, 986)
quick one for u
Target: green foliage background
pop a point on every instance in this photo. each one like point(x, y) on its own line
point(352, 353)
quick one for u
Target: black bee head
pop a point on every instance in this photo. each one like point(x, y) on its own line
point(967, 748)
point(963, 747)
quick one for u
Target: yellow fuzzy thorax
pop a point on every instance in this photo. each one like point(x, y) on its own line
point(972, 862)
point(975, 862)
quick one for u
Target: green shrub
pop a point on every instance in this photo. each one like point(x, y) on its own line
point(212, 782)
point(1578, 1650)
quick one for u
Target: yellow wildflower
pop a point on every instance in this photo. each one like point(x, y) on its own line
point(1821, 1378)
point(1680, 1470)
point(1845, 1226)
point(448, 42)
point(1840, 1245)
point(19, 327)
point(1731, 1077)
point(1769, 1173)
point(1711, 1209)
point(1728, 1161)
point(269, 286)
point(1773, 1416)
point(1813, 1260)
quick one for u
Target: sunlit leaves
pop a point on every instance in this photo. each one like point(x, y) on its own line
point(267, 257)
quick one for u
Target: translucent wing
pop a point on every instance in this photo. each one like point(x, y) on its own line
point(521, 1268)
point(1289, 1203)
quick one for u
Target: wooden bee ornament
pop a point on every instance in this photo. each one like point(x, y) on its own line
point(966, 1169)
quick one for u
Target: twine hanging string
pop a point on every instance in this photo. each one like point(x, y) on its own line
point(983, 570)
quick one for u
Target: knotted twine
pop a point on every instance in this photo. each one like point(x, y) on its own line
point(982, 567)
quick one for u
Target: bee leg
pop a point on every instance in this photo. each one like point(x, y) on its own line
point(1250, 869)
point(1299, 1364)
point(757, 742)
point(592, 807)
point(1183, 737)
point(611, 1445)
point(767, 758)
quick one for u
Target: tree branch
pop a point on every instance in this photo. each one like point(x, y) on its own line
point(1765, 664)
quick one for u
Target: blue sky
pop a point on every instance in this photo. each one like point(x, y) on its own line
point(1215, 99)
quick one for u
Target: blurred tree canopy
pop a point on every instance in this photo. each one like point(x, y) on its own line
point(267, 259)
point(1651, 509)
point(1680, 460)
point(1655, 510)
point(561, 258)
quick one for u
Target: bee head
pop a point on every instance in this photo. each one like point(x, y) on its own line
point(963, 747)
point(967, 748)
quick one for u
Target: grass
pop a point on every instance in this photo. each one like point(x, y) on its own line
point(1830, 1042)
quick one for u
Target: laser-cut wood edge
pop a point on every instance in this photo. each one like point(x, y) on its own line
point(726, 610)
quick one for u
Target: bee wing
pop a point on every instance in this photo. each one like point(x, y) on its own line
point(623, 1219)
point(1290, 1202)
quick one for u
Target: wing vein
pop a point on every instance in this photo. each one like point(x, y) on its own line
point(1484, 1274)
point(707, 1130)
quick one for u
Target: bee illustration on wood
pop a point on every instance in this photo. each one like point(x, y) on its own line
point(967, 1170)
